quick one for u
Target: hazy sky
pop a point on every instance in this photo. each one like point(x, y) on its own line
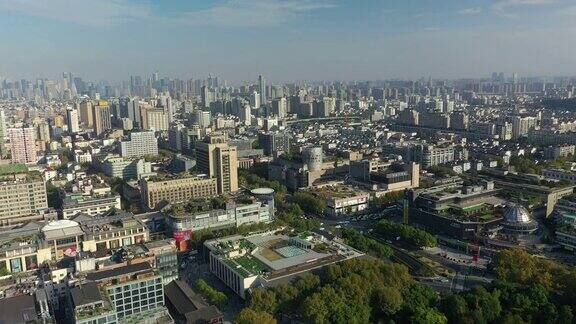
point(287, 39)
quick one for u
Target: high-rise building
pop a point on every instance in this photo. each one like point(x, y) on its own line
point(72, 119)
point(202, 118)
point(2, 132)
point(325, 107)
point(58, 121)
point(255, 100)
point(219, 160)
point(23, 144)
point(280, 107)
point(157, 119)
point(262, 88)
point(140, 144)
point(245, 114)
point(86, 113)
point(43, 132)
point(208, 96)
point(101, 117)
point(522, 125)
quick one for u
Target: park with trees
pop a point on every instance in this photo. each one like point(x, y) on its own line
point(527, 289)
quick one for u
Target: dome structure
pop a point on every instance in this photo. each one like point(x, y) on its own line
point(516, 213)
point(517, 220)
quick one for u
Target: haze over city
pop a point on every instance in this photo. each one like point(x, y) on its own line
point(287, 40)
point(287, 161)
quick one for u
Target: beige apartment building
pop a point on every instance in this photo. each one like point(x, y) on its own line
point(21, 195)
point(178, 190)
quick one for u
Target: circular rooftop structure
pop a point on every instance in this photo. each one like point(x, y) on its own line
point(262, 191)
point(59, 224)
point(516, 213)
point(517, 220)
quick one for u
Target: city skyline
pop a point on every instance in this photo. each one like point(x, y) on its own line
point(287, 40)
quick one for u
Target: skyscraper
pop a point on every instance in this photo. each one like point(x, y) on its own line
point(219, 160)
point(255, 100)
point(86, 113)
point(23, 144)
point(280, 107)
point(208, 96)
point(262, 87)
point(2, 132)
point(72, 119)
point(102, 117)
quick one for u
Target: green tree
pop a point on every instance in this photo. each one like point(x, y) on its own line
point(263, 300)
point(454, 307)
point(387, 300)
point(417, 296)
point(565, 315)
point(287, 295)
point(250, 316)
point(485, 303)
point(428, 315)
point(307, 283)
point(309, 203)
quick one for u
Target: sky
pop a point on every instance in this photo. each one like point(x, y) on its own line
point(286, 40)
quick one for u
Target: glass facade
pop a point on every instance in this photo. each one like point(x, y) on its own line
point(137, 296)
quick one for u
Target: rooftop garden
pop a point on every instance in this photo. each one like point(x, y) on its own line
point(335, 192)
point(479, 212)
point(12, 169)
point(251, 264)
point(198, 205)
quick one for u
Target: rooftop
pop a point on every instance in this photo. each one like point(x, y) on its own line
point(189, 304)
point(19, 309)
point(338, 191)
point(118, 272)
point(87, 293)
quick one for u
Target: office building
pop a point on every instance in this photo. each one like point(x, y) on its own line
point(23, 144)
point(219, 160)
point(135, 292)
point(139, 144)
